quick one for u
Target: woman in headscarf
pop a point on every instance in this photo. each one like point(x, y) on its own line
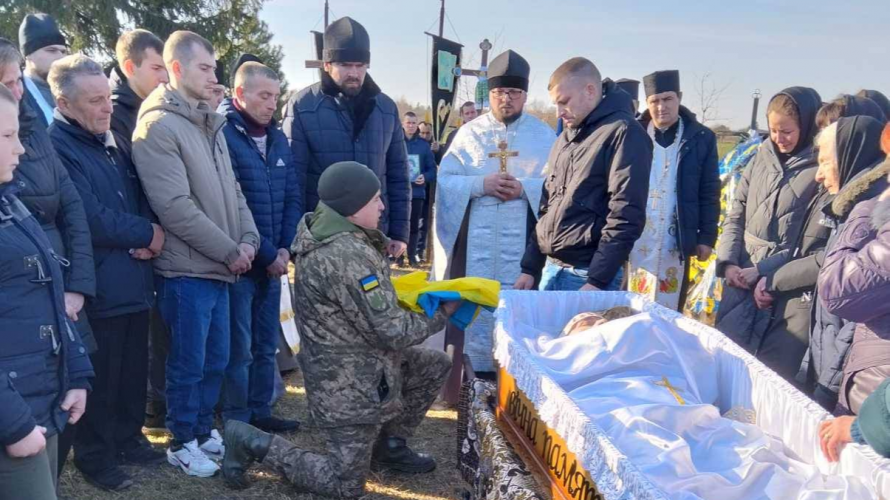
point(879, 98)
point(830, 335)
point(854, 284)
point(845, 149)
point(849, 105)
point(767, 213)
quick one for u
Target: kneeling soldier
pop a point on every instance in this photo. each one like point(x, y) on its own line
point(368, 384)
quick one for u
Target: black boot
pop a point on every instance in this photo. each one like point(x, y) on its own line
point(245, 444)
point(392, 453)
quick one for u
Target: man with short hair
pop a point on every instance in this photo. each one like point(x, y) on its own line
point(42, 43)
point(678, 227)
point(593, 207)
point(423, 169)
point(425, 131)
point(265, 170)
point(181, 155)
point(124, 241)
point(139, 70)
point(488, 189)
point(346, 117)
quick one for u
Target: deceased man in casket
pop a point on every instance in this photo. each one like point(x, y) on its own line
point(652, 387)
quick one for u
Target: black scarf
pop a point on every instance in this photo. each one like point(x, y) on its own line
point(808, 103)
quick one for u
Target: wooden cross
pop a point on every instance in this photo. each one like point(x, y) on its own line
point(675, 391)
point(503, 154)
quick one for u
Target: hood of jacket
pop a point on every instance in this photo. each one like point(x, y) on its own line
point(325, 225)
point(808, 102)
point(169, 100)
point(863, 106)
point(614, 101)
point(121, 92)
point(878, 98)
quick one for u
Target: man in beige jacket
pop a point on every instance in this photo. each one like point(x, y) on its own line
point(183, 162)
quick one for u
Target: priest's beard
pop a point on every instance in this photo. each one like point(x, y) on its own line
point(506, 120)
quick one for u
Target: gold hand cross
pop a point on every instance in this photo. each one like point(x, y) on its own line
point(675, 391)
point(503, 154)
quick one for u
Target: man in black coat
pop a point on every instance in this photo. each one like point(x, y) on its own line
point(124, 242)
point(684, 194)
point(593, 207)
point(346, 117)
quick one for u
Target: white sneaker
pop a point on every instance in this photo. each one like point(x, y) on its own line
point(214, 447)
point(192, 460)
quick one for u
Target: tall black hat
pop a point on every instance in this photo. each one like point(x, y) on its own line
point(509, 69)
point(345, 40)
point(662, 81)
point(632, 87)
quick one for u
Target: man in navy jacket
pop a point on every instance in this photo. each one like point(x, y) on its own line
point(422, 170)
point(263, 164)
point(124, 241)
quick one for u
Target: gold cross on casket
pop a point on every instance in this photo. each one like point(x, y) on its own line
point(503, 154)
point(675, 391)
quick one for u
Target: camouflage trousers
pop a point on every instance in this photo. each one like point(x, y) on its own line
point(341, 470)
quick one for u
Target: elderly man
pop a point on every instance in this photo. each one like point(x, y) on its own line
point(124, 241)
point(593, 207)
point(182, 158)
point(489, 186)
point(346, 117)
point(42, 44)
point(264, 166)
point(678, 226)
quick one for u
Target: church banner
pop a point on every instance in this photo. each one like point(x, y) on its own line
point(445, 72)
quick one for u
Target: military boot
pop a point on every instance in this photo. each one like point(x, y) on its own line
point(392, 453)
point(245, 444)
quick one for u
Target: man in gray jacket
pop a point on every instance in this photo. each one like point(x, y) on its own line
point(182, 158)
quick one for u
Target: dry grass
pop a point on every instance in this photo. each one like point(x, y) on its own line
point(436, 436)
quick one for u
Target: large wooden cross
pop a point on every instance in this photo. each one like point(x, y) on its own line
point(503, 154)
point(675, 391)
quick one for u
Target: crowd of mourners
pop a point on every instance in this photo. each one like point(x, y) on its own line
point(150, 209)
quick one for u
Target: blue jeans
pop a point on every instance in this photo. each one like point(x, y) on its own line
point(250, 376)
point(571, 279)
point(197, 314)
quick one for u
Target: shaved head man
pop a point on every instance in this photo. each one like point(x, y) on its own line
point(593, 207)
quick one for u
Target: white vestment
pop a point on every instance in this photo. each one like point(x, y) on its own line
point(651, 387)
point(496, 238)
point(656, 270)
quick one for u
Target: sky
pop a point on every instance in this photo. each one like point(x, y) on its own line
point(835, 47)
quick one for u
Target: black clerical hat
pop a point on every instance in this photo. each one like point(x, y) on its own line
point(345, 40)
point(221, 76)
point(510, 70)
point(662, 81)
point(632, 87)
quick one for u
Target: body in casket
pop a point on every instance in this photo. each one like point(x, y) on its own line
point(646, 395)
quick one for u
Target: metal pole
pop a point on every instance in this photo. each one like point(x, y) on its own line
point(327, 10)
point(442, 20)
point(756, 95)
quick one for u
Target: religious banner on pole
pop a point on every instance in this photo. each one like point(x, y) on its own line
point(445, 72)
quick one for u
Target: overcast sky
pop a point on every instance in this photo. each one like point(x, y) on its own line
point(832, 46)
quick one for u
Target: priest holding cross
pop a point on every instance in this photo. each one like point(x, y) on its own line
point(489, 187)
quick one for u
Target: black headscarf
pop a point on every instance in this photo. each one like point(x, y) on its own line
point(863, 106)
point(808, 103)
point(879, 99)
point(858, 146)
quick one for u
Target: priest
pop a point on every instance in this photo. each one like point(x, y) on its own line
point(489, 188)
point(683, 205)
point(632, 87)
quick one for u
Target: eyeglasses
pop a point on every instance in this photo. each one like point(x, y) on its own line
point(512, 93)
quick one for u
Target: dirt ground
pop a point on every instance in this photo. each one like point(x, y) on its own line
point(436, 436)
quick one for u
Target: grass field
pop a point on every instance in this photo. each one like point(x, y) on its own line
point(436, 436)
point(724, 146)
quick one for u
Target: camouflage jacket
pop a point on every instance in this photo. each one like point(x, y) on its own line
point(353, 329)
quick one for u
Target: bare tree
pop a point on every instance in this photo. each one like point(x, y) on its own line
point(709, 95)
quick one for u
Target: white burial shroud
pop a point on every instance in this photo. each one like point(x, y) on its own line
point(650, 386)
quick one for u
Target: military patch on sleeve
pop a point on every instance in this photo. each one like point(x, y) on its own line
point(369, 283)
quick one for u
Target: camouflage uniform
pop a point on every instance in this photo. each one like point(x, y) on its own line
point(363, 374)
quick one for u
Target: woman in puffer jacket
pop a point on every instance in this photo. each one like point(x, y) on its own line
point(44, 367)
point(854, 284)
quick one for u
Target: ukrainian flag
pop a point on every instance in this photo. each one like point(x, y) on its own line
point(370, 283)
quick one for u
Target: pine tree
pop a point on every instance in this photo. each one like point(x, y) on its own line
point(93, 26)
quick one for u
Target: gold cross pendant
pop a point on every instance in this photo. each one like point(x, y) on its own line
point(675, 391)
point(503, 154)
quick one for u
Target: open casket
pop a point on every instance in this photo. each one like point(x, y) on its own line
point(581, 459)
